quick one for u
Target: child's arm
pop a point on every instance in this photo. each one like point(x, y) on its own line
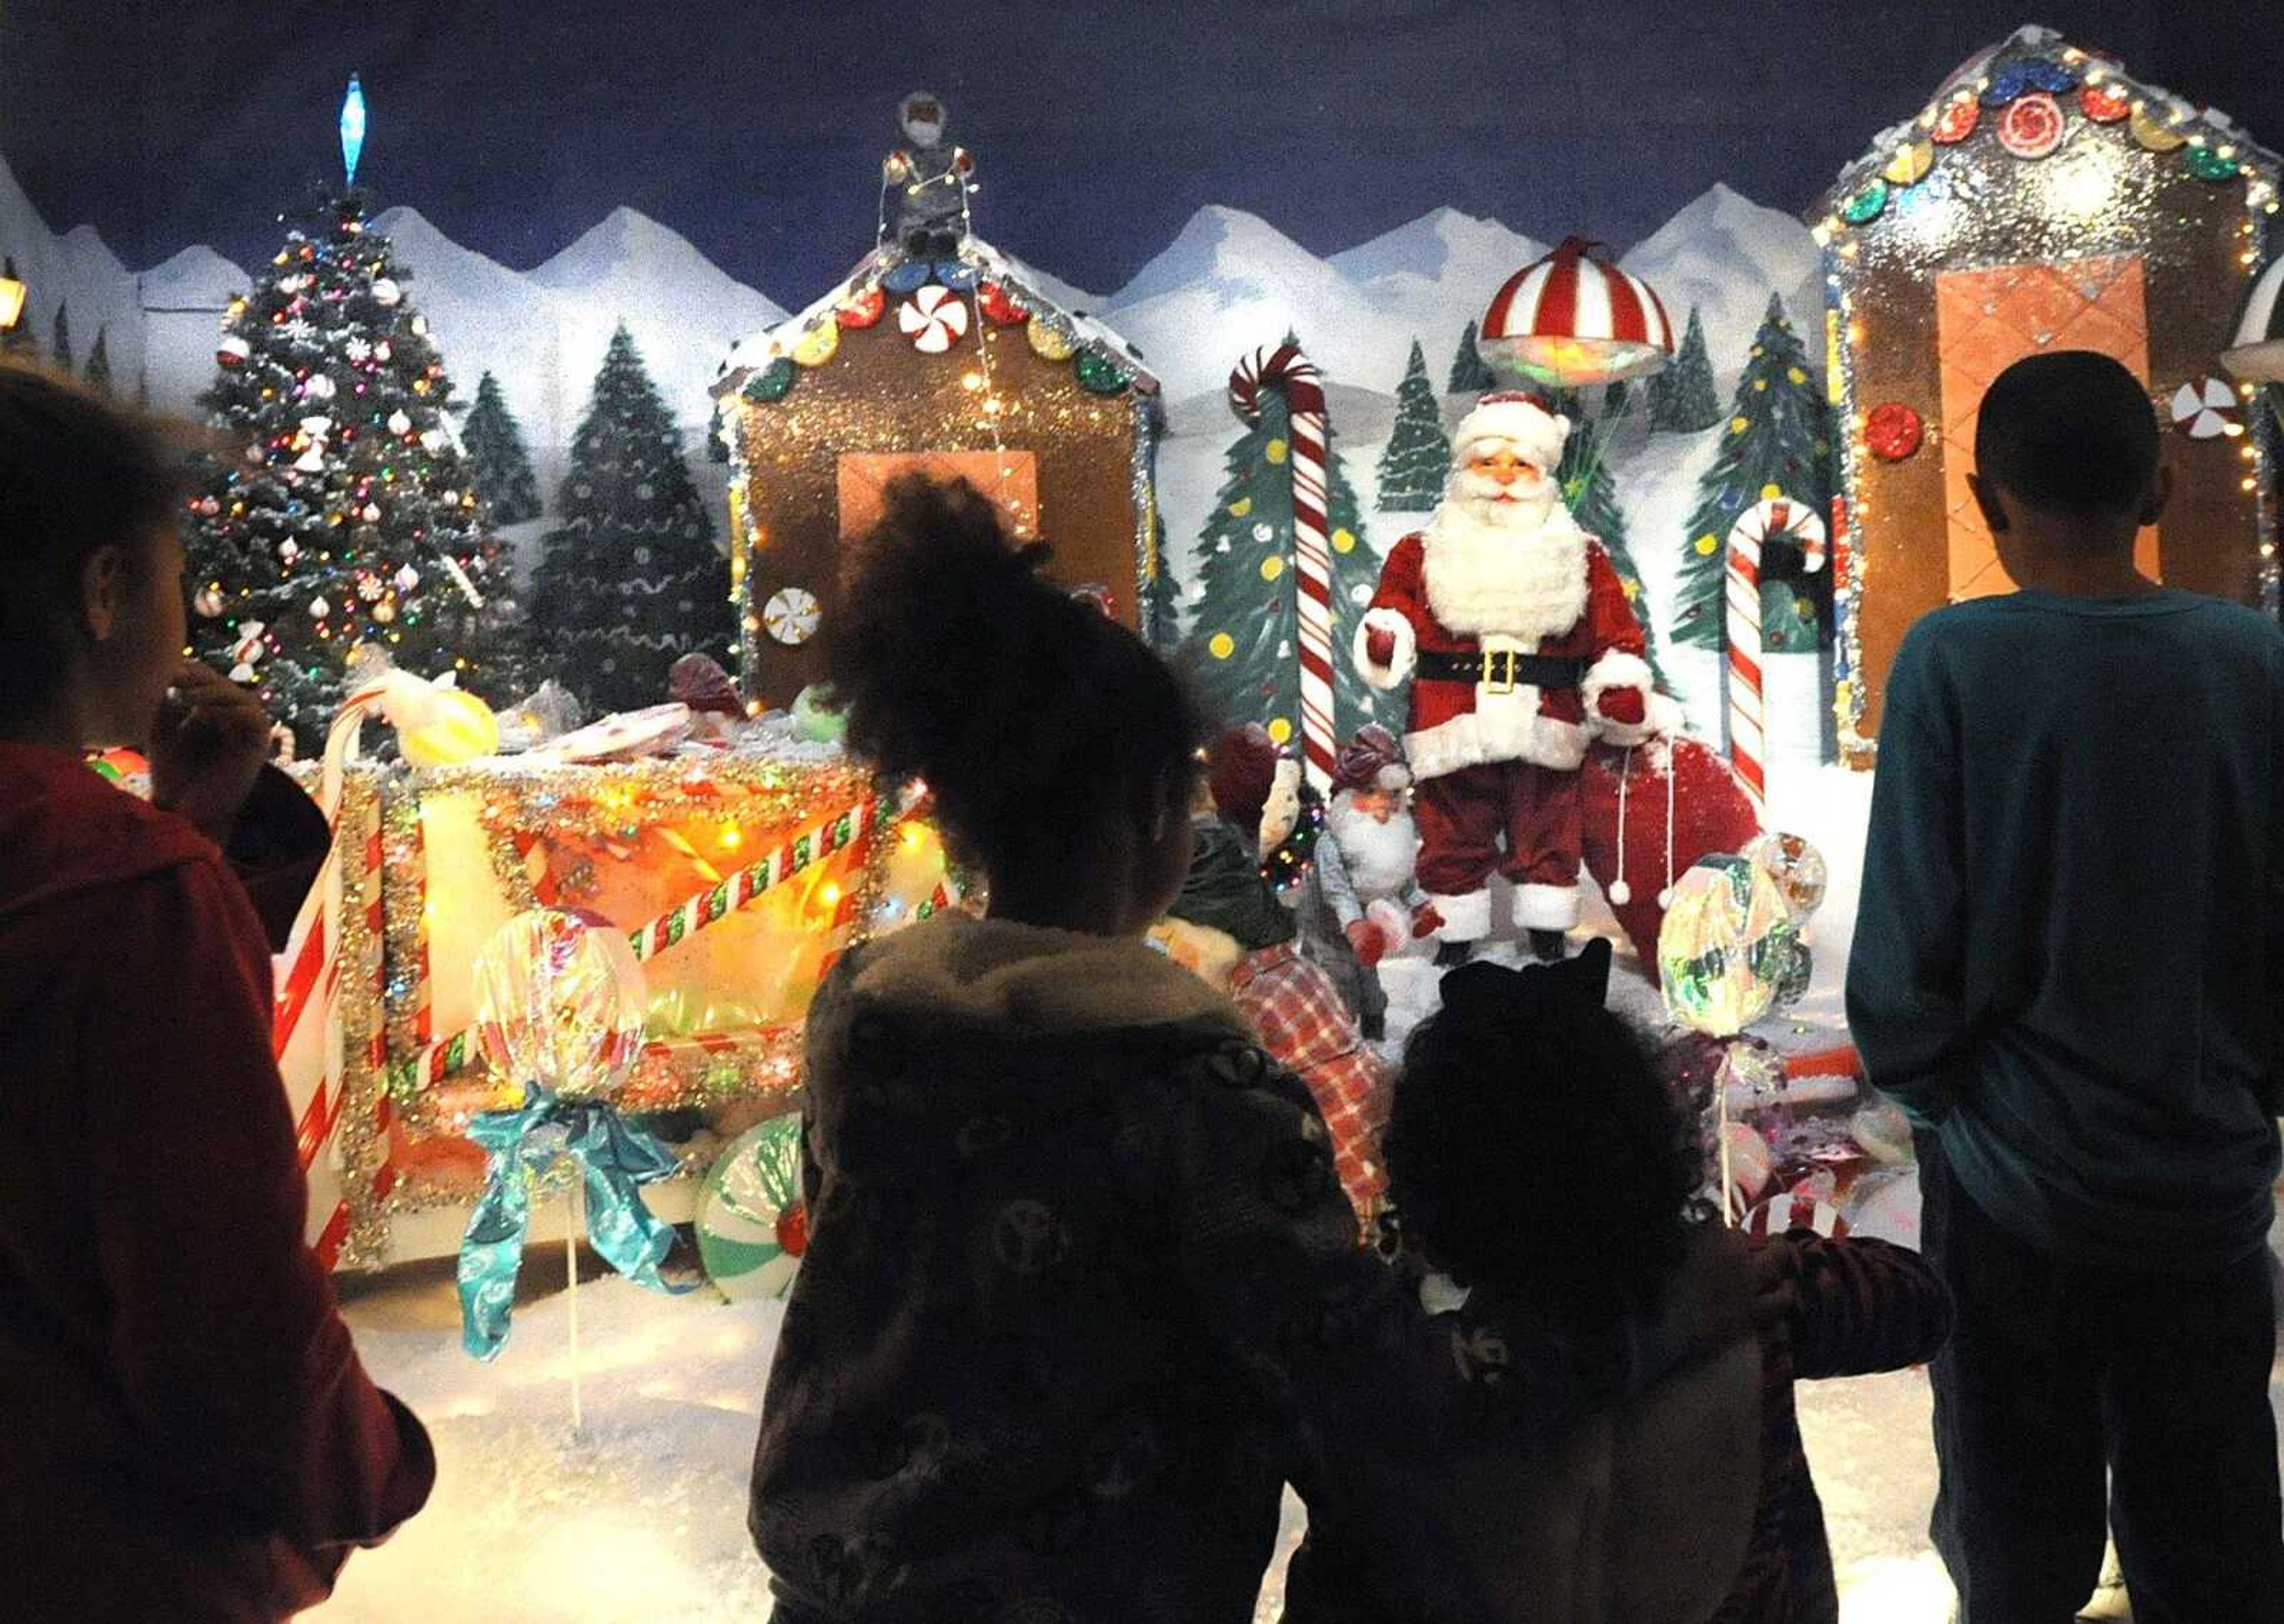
point(1864, 1306)
point(1907, 998)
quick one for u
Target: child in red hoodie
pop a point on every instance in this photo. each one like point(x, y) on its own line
point(185, 1433)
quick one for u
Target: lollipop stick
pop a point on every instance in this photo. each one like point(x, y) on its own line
point(1728, 1178)
point(577, 1201)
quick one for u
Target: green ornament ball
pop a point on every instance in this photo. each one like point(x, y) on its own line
point(773, 382)
point(1099, 373)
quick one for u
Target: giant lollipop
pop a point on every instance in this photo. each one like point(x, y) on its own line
point(559, 1002)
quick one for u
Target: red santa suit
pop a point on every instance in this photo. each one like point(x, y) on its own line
point(1515, 635)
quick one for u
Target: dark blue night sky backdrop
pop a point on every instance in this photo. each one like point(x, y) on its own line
point(755, 129)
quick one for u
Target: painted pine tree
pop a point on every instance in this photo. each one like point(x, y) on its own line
point(1418, 460)
point(1590, 491)
point(98, 363)
point(1246, 625)
point(631, 580)
point(59, 347)
point(1776, 442)
point(1161, 596)
point(1681, 397)
point(1471, 374)
point(346, 516)
point(498, 461)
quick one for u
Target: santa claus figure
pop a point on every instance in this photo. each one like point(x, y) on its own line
point(1364, 863)
point(1520, 649)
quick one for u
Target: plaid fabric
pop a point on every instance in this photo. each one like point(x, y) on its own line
point(1297, 1012)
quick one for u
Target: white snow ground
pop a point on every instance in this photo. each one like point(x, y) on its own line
point(640, 1518)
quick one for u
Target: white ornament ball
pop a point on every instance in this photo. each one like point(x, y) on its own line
point(419, 325)
point(386, 294)
point(370, 513)
point(208, 603)
point(407, 579)
point(319, 608)
point(435, 440)
point(320, 386)
point(289, 550)
point(242, 672)
point(1621, 893)
point(398, 422)
point(384, 612)
point(381, 351)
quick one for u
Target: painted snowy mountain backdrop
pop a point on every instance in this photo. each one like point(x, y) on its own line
point(1228, 282)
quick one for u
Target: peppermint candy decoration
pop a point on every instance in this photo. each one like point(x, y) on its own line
point(935, 319)
point(752, 1227)
point(791, 616)
point(2206, 409)
point(2032, 126)
point(1796, 1209)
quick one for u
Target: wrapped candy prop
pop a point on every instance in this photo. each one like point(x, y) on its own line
point(1796, 866)
point(1726, 945)
point(752, 1225)
point(437, 725)
point(547, 712)
point(559, 1005)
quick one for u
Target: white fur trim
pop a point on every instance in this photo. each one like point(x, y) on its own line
point(1538, 434)
point(1407, 649)
point(1465, 918)
point(1501, 727)
point(1616, 670)
point(1546, 908)
point(1525, 581)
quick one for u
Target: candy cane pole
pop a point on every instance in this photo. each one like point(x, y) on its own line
point(1747, 741)
point(1286, 367)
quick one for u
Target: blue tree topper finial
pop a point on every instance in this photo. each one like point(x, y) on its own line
point(352, 128)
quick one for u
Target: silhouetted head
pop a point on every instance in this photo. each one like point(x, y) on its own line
point(2067, 437)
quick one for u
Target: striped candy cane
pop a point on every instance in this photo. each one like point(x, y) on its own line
point(1286, 367)
point(305, 1035)
point(1775, 518)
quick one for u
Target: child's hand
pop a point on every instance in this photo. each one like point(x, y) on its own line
point(207, 748)
point(1733, 1287)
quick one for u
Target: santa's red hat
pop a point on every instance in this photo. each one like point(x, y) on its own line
point(1371, 760)
point(1510, 417)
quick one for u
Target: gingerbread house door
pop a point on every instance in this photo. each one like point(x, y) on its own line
point(1986, 320)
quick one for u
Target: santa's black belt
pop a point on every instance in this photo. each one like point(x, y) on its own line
point(1502, 669)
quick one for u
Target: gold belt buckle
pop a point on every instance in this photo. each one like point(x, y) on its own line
point(1498, 678)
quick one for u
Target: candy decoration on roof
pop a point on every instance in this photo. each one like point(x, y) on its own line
point(933, 319)
point(2206, 409)
point(1285, 368)
point(817, 346)
point(1001, 307)
point(863, 310)
point(2031, 127)
point(1910, 166)
point(1573, 319)
point(1893, 431)
point(2103, 105)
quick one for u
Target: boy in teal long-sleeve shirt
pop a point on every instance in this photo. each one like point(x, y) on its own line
point(2065, 970)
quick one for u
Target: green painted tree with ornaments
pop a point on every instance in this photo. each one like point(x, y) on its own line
point(630, 581)
point(1246, 624)
point(337, 510)
point(1776, 441)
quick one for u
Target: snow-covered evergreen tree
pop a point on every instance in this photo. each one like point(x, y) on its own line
point(344, 514)
point(1681, 398)
point(1162, 597)
point(631, 580)
point(1471, 374)
point(1778, 443)
point(496, 460)
point(1246, 625)
point(1418, 460)
point(98, 363)
point(59, 348)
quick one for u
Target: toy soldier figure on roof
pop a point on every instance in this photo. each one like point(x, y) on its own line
point(925, 183)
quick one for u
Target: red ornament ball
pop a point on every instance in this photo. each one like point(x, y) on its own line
point(2103, 106)
point(863, 309)
point(1893, 432)
point(1001, 307)
point(1956, 122)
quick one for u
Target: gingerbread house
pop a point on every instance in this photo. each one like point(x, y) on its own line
point(2043, 200)
point(960, 368)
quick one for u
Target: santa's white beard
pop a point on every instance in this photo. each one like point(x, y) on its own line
point(1379, 856)
point(1516, 569)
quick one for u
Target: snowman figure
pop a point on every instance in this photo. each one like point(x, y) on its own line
point(925, 183)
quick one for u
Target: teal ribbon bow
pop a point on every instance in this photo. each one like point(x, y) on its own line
point(613, 1157)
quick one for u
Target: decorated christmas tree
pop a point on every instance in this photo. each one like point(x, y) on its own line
point(1681, 398)
point(498, 461)
point(632, 581)
point(346, 515)
point(1776, 442)
point(1246, 624)
point(98, 363)
point(1471, 374)
point(1417, 459)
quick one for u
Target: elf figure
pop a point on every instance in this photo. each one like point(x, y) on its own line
point(1520, 649)
point(926, 183)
